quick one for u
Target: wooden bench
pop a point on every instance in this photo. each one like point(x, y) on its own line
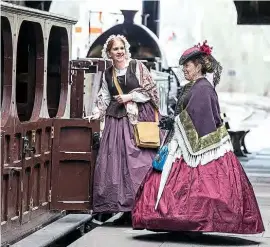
point(237, 138)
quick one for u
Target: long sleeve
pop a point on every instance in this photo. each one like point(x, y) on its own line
point(103, 100)
point(105, 92)
point(139, 97)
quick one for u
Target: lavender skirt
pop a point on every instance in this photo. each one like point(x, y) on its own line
point(120, 166)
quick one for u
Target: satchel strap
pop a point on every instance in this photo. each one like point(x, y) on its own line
point(116, 83)
point(119, 90)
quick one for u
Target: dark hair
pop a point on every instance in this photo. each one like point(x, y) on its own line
point(110, 43)
point(209, 65)
point(205, 62)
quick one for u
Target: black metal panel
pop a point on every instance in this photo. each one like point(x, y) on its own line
point(253, 12)
point(150, 15)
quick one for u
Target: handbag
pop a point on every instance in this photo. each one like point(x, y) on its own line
point(146, 133)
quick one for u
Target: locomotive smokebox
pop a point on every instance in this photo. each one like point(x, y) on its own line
point(144, 44)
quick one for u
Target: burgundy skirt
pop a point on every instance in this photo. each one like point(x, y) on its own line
point(216, 197)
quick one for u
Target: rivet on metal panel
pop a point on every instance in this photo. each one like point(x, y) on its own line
point(52, 132)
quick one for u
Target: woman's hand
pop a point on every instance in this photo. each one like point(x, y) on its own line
point(91, 117)
point(123, 98)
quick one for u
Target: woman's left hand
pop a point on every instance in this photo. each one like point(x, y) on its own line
point(123, 98)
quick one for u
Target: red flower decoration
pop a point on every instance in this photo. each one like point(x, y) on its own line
point(205, 48)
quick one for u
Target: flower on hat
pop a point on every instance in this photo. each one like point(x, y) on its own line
point(205, 48)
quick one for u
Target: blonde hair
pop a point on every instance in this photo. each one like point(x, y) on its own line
point(108, 44)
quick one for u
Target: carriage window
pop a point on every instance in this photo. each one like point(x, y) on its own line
point(6, 64)
point(30, 62)
point(57, 71)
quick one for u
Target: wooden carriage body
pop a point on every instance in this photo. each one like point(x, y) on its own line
point(48, 154)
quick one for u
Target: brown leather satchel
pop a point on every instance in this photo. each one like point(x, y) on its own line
point(146, 133)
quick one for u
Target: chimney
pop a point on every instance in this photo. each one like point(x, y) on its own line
point(129, 16)
point(150, 15)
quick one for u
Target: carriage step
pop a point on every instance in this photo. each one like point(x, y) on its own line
point(54, 231)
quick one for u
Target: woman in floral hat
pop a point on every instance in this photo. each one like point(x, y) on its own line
point(202, 187)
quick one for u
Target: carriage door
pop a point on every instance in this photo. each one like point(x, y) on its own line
point(36, 173)
point(74, 153)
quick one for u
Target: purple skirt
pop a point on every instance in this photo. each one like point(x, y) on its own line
point(121, 166)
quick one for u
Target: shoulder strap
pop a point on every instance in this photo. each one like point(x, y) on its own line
point(116, 83)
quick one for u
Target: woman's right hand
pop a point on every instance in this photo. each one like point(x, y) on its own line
point(123, 98)
point(91, 117)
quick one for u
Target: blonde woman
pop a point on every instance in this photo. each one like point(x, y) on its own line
point(121, 165)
